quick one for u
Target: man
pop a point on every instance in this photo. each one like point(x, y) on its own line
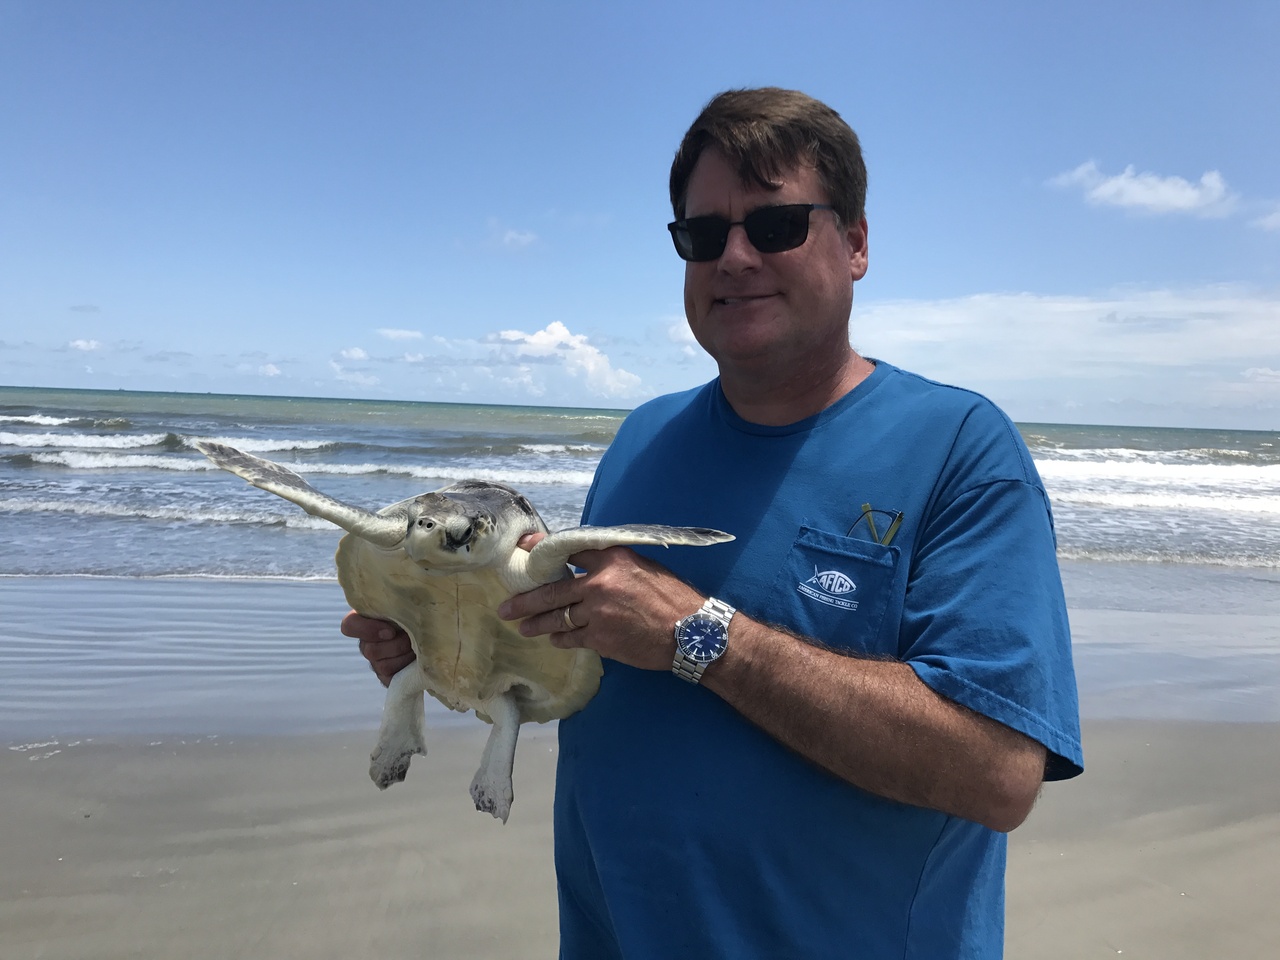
point(833, 772)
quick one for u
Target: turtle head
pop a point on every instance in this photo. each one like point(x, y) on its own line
point(446, 535)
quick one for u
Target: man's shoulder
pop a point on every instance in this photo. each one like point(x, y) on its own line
point(655, 414)
point(980, 435)
point(907, 386)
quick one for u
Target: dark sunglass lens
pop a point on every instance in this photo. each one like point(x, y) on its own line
point(704, 237)
point(680, 237)
point(774, 229)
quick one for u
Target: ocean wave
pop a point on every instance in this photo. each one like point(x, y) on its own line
point(1200, 456)
point(440, 474)
point(173, 442)
point(590, 449)
point(88, 441)
point(1169, 500)
point(1196, 557)
point(43, 420)
point(118, 461)
point(174, 514)
point(1148, 471)
point(39, 420)
point(265, 445)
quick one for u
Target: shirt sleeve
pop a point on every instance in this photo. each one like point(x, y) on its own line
point(985, 619)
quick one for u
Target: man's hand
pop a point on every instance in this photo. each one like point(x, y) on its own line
point(382, 643)
point(623, 606)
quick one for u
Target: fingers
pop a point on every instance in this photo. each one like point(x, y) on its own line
point(539, 602)
point(530, 540)
point(367, 628)
point(386, 657)
point(387, 648)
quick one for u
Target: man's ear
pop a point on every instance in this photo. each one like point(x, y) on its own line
point(856, 238)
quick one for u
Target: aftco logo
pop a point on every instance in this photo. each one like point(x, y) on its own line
point(829, 587)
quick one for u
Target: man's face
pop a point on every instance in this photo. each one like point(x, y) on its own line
point(756, 311)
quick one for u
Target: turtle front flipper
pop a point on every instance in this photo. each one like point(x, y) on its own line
point(283, 482)
point(547, 560)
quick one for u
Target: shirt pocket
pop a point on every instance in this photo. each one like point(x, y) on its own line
point(836, 590)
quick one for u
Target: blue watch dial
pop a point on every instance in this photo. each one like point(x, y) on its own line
point(701, 638)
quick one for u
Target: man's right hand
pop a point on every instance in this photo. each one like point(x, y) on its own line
point(382, 643)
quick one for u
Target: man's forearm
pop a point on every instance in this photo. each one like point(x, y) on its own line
point(875, 724)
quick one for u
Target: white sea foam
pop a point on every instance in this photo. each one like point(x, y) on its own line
point(128, 441)
point(1125, 500)
point(121, 461)
point(1131, 555)
point(87, 508)
point(554, 448)
point(82, 441)
point(38, 420)
point(515, 478)
point(263, 445)
point(1204, 475)
point(440, 474)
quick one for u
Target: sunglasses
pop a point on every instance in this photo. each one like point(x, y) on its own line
point(770, 230)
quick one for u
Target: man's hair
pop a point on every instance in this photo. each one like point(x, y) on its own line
point(767, 131)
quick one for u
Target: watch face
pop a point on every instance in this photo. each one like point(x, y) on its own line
point(701, 638)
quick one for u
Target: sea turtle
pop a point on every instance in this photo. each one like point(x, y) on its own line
point(438, 565)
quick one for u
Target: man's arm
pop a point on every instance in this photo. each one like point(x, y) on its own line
point(873, 723)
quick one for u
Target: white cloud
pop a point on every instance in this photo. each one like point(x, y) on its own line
point(678, 332)
point(575, 354)
point(510, 237)
point(394, 334)
point(1270, 221)
point(415, 357)
point(1201, 356)
point(1150, 192)
point(518, 239)
point(269, 370)
point(1264, 374)
point(86, 345)
point(352, 376)
point(353, 353)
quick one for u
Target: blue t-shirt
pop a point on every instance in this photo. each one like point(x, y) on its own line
point(681, 829)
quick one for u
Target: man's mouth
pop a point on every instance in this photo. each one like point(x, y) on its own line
point(729, 301)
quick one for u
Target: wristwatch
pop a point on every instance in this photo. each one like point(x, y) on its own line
point(701, 639)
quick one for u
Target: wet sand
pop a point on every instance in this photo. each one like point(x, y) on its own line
point(282, 848)
point(148, 841)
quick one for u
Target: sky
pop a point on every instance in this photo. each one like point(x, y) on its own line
point(1073, 208)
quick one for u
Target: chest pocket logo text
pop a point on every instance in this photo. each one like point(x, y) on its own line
point(830, 587)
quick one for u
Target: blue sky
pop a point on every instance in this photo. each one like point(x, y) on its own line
point(1074, 209)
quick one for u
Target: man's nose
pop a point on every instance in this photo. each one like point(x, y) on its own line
point(739, 252)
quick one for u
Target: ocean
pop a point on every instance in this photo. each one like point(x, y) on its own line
point(110, 522)
point(106, 483)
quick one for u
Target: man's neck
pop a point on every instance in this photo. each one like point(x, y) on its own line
point(777, 400)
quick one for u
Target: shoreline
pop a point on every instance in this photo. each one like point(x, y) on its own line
point(189, 657)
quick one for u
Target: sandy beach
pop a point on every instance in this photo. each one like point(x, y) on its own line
point(140, 843)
